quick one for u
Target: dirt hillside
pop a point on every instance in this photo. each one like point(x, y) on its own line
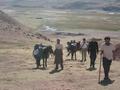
point(17, 65)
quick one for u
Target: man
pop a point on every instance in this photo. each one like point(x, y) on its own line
point(107, 51)
point(92, 51)
point(84, 48)
point(58, 54)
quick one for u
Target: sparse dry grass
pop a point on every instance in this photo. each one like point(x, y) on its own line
point(17, 63)
point(17, 72)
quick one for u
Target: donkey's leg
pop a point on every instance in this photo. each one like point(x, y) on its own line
point(75, 56)
point(39, 63)
point(72, 55)
point(46, 62)
point(43, 63)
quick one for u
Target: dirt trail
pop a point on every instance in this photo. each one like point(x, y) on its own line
point(17, 73)
point(17, 70)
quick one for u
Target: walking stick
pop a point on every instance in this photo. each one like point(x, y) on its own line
point(100, 69)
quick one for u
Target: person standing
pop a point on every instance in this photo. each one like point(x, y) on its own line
point(93, 51)
point(58, 55)
point(84, 48)
point(107, 51)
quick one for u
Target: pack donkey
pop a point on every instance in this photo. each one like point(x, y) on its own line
point(42, 52)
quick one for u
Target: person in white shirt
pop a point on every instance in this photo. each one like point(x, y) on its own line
point(84, 47)
point(107, 51)
point(58, 55)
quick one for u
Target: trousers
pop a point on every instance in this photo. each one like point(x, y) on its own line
point(106, 67)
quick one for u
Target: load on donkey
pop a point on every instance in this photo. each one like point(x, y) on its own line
point(42, 52)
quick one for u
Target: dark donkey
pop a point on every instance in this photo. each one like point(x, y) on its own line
point(42, 52)
point(72, 48)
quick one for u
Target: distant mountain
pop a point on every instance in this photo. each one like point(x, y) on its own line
point(112, 8)
point(79, 5)
point(106, 5)
point(112, 5)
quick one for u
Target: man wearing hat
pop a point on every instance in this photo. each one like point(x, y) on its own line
point(107, 52)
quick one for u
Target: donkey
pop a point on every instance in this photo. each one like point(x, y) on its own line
point(42, 52)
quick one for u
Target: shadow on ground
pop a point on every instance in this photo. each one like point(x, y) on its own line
point(41, 68)
point(91, 69)
point(55, 71)
point(106, 83)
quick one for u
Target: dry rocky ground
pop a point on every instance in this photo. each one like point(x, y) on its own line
point(17, 65)
point(17, 72)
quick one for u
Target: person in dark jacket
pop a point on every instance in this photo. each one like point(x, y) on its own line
point(92, 51)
